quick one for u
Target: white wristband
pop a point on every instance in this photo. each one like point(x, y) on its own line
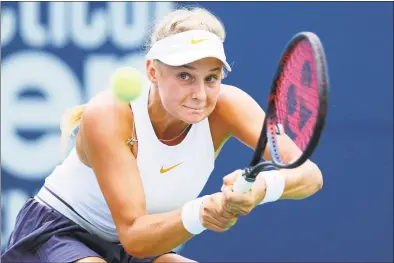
point(191, 216)
point(275, 185)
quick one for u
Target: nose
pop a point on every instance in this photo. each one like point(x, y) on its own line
point(199, 91)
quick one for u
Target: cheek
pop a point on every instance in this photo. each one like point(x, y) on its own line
point(172, 96)
point(212, 96)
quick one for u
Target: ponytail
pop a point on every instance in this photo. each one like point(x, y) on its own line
point(70, 120)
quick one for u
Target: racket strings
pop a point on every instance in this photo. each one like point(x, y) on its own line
point(297, 97)
point(305, 109)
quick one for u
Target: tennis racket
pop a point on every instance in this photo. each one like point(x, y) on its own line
point(297, 105)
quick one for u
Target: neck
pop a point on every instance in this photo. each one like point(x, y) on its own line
point(165, 125)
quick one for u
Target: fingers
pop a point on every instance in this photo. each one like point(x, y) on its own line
point(230, 178)
point(217, 208)
point(211, 215)
point(242, 211)
point(237, 210)
point(213, 227)
point(217, 228)
point(226, 213)
point(235, 198)
point(214, 224)
point(214, 216)
point(237, 203)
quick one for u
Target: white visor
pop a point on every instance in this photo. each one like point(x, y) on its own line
point(189, 46)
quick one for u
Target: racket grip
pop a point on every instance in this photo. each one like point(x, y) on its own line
point(241, 185)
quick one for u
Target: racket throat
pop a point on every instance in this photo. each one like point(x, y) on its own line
point(251, 173)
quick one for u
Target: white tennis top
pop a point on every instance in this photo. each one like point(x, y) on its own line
point(171, 175)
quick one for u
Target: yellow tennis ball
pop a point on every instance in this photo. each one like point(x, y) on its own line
point(126, 84)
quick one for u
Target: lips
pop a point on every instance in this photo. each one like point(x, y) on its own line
point(194, 109)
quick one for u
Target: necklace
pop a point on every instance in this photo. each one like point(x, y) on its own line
point(132, 140)
point(170, 140)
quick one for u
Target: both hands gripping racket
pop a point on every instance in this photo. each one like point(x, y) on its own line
point(297, 102)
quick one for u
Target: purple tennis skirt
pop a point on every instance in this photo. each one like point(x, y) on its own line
point(42, 234)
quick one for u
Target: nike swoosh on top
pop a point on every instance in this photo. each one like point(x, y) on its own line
point(164, 170)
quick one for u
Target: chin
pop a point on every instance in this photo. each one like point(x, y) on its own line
point(191, 116)
point(193, 119)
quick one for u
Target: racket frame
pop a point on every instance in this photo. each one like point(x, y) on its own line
point(257, 165)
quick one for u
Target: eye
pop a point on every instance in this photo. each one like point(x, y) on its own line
point(212, 78)
point(184, 76)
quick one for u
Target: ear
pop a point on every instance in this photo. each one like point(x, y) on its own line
point(151, 71)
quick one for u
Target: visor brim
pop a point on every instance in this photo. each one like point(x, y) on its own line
point(183, 58)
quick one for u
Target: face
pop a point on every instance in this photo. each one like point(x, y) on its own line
point(190, 92)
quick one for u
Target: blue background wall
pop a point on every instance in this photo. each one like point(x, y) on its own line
point(63, 57)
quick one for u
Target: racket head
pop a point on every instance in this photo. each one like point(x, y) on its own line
point(299, 97)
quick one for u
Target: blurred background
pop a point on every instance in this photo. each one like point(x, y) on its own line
point(56, 55)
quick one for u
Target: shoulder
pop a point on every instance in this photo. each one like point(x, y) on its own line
point(105, 115)
point(231, 94)
point(238, 114)
point(234, 103)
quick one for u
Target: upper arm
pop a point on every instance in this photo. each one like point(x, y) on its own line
point(244, 118)
point(106, 126)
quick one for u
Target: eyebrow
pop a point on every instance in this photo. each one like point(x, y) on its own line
point(192, 68)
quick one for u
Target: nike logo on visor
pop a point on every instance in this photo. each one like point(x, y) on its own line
point(196, 41)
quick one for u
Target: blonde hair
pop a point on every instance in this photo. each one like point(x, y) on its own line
point(69, 122)
point(180, 20)
point(184, 19)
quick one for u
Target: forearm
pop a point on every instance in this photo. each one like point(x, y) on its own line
point(152, 235)
point(302, 181)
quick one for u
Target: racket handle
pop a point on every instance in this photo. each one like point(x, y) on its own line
point(241, 185)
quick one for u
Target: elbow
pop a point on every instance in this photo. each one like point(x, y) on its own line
point(138, 253)
point(136, 249)
point(133, 244)
point(315, 178)
point(312, 180)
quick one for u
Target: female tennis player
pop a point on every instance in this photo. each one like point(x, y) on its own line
point(129, 189)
